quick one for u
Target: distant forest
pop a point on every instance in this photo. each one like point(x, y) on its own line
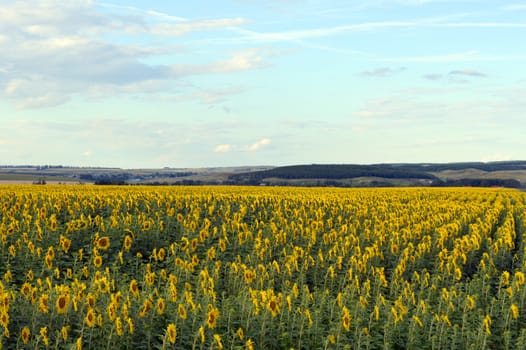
point(384, 171)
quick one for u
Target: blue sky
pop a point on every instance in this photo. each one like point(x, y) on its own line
point(146, 84)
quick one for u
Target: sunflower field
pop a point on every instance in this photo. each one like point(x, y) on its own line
point(87, 267)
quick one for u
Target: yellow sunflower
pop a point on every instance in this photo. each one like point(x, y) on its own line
point(171, 331)
point(62, 303)
point(103, 243)
point(212, 317)
point(26, 333)
point(90, 318)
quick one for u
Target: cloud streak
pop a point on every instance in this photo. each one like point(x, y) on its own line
point(468, 72)
point(382, 72)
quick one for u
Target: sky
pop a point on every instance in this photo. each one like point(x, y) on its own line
point(184, 84)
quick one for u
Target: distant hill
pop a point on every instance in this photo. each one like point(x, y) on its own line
point(502, 174)
point(397, 174)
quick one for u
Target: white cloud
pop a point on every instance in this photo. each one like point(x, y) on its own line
point(52, 50)
point(223, 148)
point(258, 145)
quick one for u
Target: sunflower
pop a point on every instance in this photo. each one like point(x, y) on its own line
point(103, 243)
point(213, 314)
point(171, 331)
point(273, 306)
point(97, 261)
point(249, 344)
point(346, 319)
point(514, 311)
point(64, 331)
point(240, 333)
point(26, 333)
point(202, 334)
point(90, 300)
point(43, 304)
point(146, 306)
point(134, 288)
point(78, 344)
point(182, 311)
point(118, 326)
point(129, 321)
point(65, 243)
point(161, 306)
point(217, 338)
point(62, 303)
point(26, 290)
point(161, 254)
point(90, 318)
point(127, 242)
point(43, 334)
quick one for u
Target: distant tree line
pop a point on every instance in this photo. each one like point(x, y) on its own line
point(333, 172)
point(510, 183)
point(115, 178)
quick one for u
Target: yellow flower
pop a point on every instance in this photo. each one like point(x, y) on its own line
point(103, 243)
point(129, 321)
point(90, 318)
point(64, 331)
point(26, 333)
point(470, 302)
point(487, 324)
point(43, 334)
point(249, 344)
point(79, 343)
point(43, 304)
point(240, 333)
point(118, 326)
point(217, 338)
point(161, 254)
point(26, 290)
point(212, 316)
point(202, 334)
point(418, 321)
point(62, 303)
point(97, 261)
point(273, 306)
point(171, 331)
point(134, 288)
point(346, 319)
point(161, 306)
point(127, 242)
point(514, 311)
point(146, 306)
point(182, 311)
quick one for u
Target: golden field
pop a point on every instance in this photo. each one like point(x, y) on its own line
point(261, 268)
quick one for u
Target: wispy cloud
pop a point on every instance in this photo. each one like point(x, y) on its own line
point(468, 72)
point(433, 76)
point(467, 56)
point(178, 29)
point(319, 32)
point(382, 72)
